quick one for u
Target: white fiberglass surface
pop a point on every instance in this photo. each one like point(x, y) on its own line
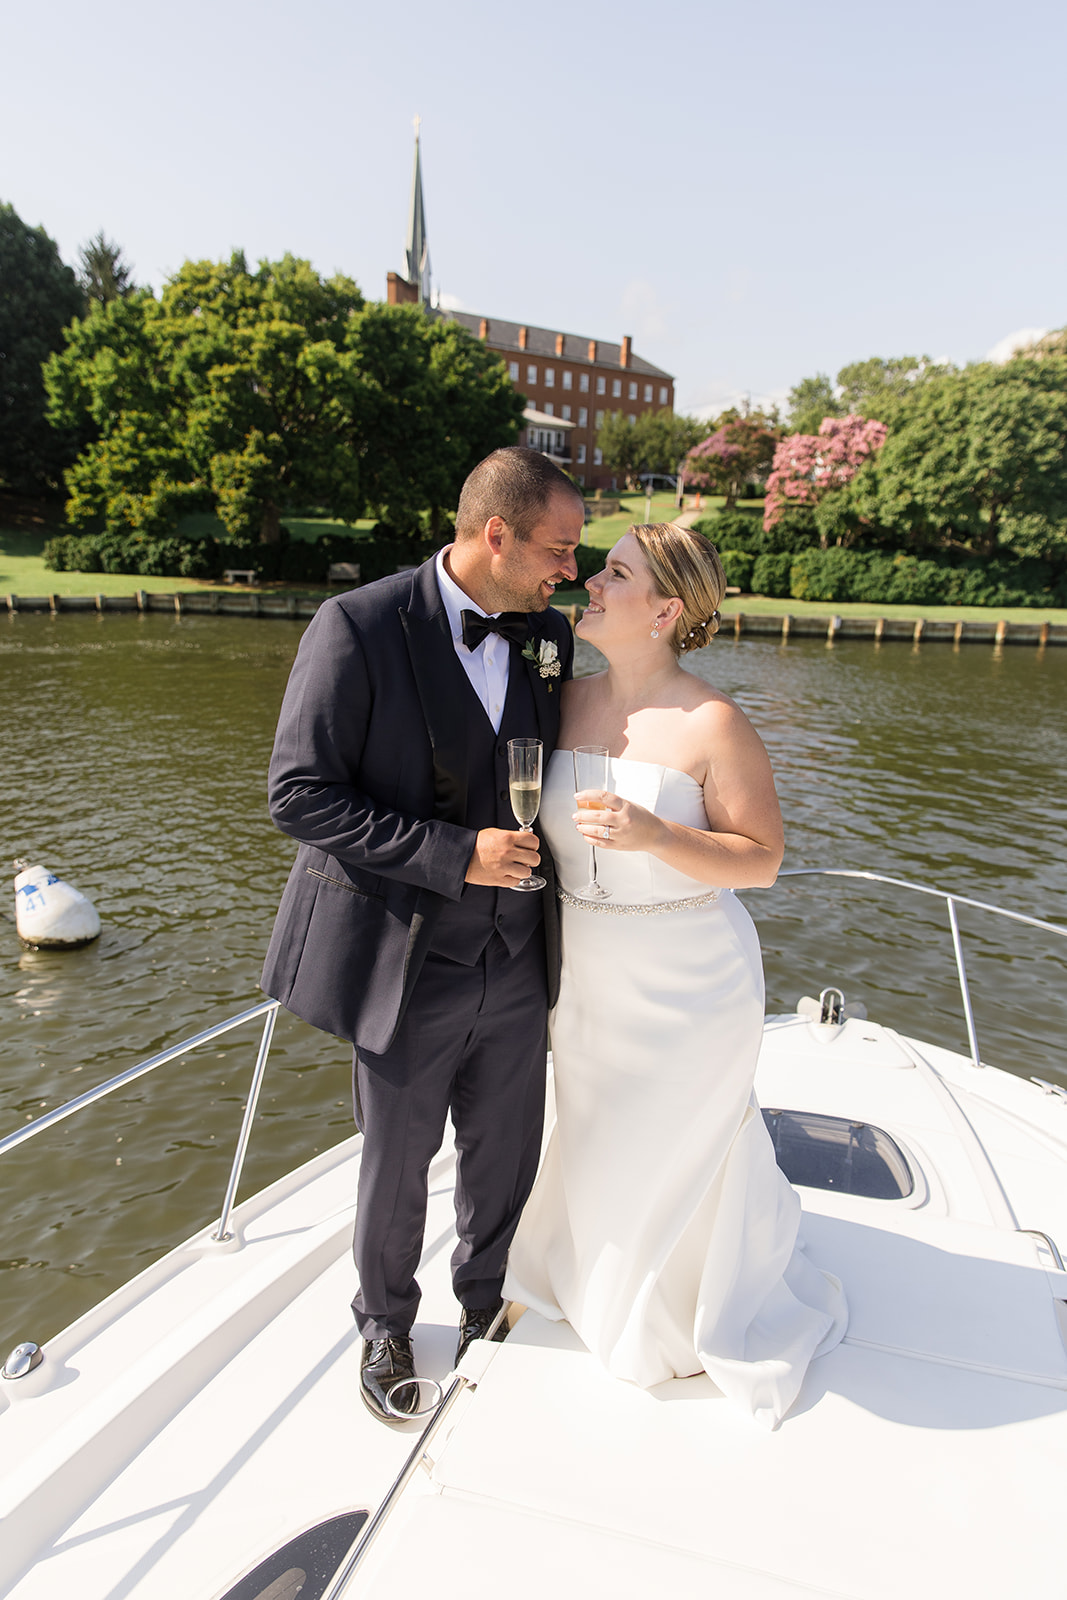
point(893, 1475)
point(275, 1439)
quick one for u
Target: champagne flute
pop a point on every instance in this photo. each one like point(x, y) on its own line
point(591, 772)
point(524, 786)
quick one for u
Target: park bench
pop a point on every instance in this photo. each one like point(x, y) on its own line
point(239, 575)
point(344, 572)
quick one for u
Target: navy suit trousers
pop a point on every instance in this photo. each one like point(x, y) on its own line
point(472, 1044)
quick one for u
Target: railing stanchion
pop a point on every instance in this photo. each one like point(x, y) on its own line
point(220, 1234)
point(965, 992)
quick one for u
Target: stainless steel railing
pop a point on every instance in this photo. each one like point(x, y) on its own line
point(267, 1009)
point(951, 901)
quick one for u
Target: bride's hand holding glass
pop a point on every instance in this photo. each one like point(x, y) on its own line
point(611, 823)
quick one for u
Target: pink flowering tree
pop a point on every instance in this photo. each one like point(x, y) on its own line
point(807, 466)
point(741, 449)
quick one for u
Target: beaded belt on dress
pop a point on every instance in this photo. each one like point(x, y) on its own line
point(612, 908)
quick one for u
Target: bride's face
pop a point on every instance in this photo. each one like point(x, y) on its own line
point(623, 604)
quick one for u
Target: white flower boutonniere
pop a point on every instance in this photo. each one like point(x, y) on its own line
point(545, 658)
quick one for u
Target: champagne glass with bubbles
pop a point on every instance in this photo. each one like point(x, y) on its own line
point(524, 785)
point(591, 772)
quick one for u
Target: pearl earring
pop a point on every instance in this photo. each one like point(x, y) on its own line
point(655, 632)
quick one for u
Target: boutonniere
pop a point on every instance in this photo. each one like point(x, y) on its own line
point(545, 658)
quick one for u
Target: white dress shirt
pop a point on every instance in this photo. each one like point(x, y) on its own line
point(487, 666)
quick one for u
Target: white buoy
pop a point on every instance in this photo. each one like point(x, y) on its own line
point(51, 914)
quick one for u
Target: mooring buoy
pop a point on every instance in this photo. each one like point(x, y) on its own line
point(51, 914)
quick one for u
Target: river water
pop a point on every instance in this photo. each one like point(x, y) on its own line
point(135, 752)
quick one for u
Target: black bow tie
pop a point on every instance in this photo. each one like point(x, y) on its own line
point(510, 625)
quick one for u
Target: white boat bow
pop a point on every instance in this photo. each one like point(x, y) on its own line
point(182, 1437)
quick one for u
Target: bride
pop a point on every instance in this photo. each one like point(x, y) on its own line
point(660, 1226)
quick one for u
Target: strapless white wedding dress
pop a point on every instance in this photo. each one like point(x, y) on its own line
point(660, 1226)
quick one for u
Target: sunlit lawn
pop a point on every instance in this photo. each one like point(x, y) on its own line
point(22, 571)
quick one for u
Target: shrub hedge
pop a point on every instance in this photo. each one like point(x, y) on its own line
point(871, 576)
point(379, 552)
point(902, 579)
point(787, 563)
point(743, 530)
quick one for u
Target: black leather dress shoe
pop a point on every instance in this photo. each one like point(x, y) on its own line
point(385, 1364)
point(476, 1324)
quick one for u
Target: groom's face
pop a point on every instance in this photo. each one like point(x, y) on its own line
point(525, 572)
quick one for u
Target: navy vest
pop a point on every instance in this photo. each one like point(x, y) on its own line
point(465, 927)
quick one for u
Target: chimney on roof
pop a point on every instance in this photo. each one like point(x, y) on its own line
point(483, 328)
point(399, 292)
point(559, 344)
point(522, 338)
point(592, 349)
point(624, 355)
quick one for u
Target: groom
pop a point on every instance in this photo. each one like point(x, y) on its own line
point(398, 929)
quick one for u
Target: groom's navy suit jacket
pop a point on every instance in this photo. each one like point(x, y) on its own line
point(371, 773)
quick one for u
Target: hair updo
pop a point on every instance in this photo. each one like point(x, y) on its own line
point(684, 564)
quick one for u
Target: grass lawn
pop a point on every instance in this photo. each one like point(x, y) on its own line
point(22, 568)
point(604, 531)
point(22, 571)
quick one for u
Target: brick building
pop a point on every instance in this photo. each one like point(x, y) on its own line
point(580, 380)
point(564, 376)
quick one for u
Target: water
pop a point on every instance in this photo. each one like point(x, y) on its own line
point(135, 755)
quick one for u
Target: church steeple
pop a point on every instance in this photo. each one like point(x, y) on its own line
point(417, 249)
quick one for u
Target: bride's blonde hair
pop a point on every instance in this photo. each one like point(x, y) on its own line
point(684, 563)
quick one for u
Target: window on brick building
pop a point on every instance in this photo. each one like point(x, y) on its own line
point(633, 392)
point(566, 413)
point(663, 394)
point(602, 386)
point(531, 374)
point(568, 379)
point(632, 419)
point(648, 393)
point(598, 456)
point(583, 382)
point(600, 419)
point(513, 371)
point(581, 455)
point(550, 377)
point(616, 388)
point(548, 409)
point(583, 417)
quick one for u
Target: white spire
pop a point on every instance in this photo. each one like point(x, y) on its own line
point(417, 249)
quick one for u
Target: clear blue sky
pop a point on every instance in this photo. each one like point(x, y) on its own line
point(755, 193)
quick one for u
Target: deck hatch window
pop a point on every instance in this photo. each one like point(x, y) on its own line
point(306, 1566)
point(821, 1152)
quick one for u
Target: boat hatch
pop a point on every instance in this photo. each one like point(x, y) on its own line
point(305, 1566)
point(820, 1152)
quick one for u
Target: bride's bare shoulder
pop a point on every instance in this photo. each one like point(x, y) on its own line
point(715, 713)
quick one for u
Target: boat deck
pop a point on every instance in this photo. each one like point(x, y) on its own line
point(208, 1411)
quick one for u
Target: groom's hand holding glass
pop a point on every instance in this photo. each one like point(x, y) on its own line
point(502, 859)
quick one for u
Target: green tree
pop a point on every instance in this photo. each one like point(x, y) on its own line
point(664, 438)
point(874, 388)
point(739, 451)
point(810, 401)
point(975, 460)
point(432, 402)
point(269, 387)
point(114, 383)
point(233, 390)
point(39, 296)
point(102, 272)
point(248, 391)
point(655, 443)
point(620, 446)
